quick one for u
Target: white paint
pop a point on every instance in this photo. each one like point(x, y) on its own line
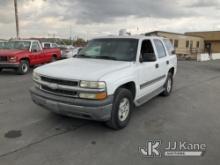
point(203, 57)
point(206, 57)
point(216, 56)
point(116, 73)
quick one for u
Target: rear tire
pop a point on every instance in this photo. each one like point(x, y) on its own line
point(121, 110)
point(23, 67)
point(168, 87)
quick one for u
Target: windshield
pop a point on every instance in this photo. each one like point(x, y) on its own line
point(20, 45)
point(110, 49)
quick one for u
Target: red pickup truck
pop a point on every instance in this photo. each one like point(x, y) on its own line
point(22, 54)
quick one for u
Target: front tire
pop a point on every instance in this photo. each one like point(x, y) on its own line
point(53, 59)
point(23, 67)
point(168, 87)
point(121, 110)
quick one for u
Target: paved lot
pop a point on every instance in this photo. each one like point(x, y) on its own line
point(29, 135)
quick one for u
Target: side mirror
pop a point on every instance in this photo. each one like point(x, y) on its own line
point(148, 57)
point(173, 52)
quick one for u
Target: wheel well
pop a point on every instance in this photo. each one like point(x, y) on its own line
point(131, 87)
point(172, 70)
point(27, 59)
point(54, 55)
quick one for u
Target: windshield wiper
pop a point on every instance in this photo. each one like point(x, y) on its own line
point(106, 57)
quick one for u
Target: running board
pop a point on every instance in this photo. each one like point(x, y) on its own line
point(148, 97)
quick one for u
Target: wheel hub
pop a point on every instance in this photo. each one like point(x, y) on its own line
point(124, 109)
point(24, 68)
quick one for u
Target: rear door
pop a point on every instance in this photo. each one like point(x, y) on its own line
point(163, 60)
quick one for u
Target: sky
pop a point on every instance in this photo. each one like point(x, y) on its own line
point(92, 18)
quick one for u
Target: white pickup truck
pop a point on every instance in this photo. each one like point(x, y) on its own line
point(107, 79)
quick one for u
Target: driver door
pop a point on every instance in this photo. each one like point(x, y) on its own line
point(148, 72)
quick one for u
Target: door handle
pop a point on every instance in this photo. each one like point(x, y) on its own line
point(167, 62)
point(157, 66)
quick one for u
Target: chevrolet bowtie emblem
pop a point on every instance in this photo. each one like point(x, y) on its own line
point(53, 86)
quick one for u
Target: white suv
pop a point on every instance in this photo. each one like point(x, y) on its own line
point(107, 79)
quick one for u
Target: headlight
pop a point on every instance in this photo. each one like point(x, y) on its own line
point(36, 76)
point(93, 96)
point(12, 59)
point(92, 84)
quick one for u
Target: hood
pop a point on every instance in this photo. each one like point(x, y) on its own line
point(11, 52)
point(81, 68)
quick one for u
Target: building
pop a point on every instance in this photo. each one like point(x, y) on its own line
point(212, 42)
point(186, 46)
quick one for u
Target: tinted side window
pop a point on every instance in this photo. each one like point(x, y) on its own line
point(147, 51)
point(160, 48)
point(46, 45)
point(54, 46)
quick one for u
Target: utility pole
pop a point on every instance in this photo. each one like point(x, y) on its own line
point(16, 19)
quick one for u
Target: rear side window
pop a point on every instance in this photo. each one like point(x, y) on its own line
point(169, 46)
point(54, 45)
point(46, 46)
point(160, 48)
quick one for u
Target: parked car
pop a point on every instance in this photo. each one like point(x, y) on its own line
point(48, 45)
point(66, 51)
point(107, 79)
point(22, 54)
point(69, 53)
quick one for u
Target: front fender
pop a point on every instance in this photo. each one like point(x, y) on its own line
point(112, 88)
point(116, 79)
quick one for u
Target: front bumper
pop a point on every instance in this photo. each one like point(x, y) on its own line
point(73, 107)
point(9, 65)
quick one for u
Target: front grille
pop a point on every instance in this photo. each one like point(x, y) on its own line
point(59, 91)
point(3, 58)
point(59, 82)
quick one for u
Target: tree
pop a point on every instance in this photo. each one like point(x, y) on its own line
point(79, 42)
